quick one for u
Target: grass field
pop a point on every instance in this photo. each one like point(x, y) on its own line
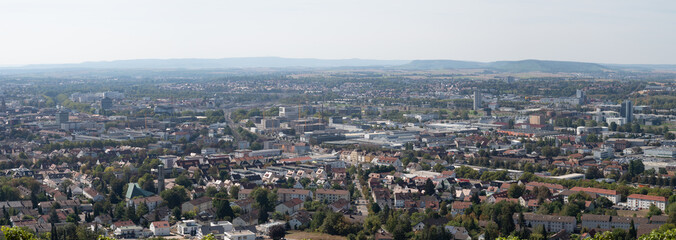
point(299, 235)
point(628, 213)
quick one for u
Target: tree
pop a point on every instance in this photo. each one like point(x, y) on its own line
point(53, 234)
point(264, 199)
point(375, 208)
point(222, 206)
point(34, 199)
point(183, 181)
point(515, 190)
point(475, 198)
point(636, 167)
point(73, 218)
point(438, 168)
point(131, 213)
point(632, 230)
point(177, 213)
point(602, 202)
point(659, 234)
point(234, 191)
point(570, 209)
point(444, 209)
point(174, 196)
point(654, 211)
point(142, 210)
point(429, 187)
point(669, 136)
point(593, 173)
point(17, 233)
point(210, 236)
point(277, 232)
point(53, 217)
point(263, 216)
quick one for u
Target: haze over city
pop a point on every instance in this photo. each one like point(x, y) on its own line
point(72, 31)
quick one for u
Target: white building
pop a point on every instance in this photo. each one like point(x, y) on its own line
point(550, 223)
point(160, 228)
point(639, 201)
point(128, 232)
point(187, 227)
point(265, 228)
point(661, 152)
point(240, 235)
point(604, 152)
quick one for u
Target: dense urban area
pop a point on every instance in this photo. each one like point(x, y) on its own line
point(338, 153)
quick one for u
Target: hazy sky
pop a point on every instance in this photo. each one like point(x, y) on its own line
point(606, 31)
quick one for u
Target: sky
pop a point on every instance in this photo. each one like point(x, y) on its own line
point(602, 31)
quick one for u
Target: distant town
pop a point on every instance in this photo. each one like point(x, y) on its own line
point(415, 152)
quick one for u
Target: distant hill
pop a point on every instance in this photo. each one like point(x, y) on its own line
point(441, 64)
point(278, 62)
point(644, 67)
point(507, 66)
point(546, 66)
point(250, 62)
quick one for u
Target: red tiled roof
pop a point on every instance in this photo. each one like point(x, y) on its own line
point(123, 223)
point(594, 190)
point(293, 202)
point(648, 197)
point(548, 185)
point(332, 191)
point(461, 205)
point(161, 224)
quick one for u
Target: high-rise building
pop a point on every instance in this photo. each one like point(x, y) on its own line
point(160, 178)
point(290, 113)
point(477, 100)
point(106, 103)
point(581, 96)
point(61, 117)
point(627, 110)
point(3, 107)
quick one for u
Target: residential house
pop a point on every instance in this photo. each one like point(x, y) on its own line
point(246, 219)
point(290, 206)
point(331, 195)
point(439, 222)
point(287, 194)
point(382, 197)
point(187, 228)
point(160, 228)
point(245, 205)
point(152, 202)
point(459, 207)
point(340, 205)
point(300, 220)
point(198, 205)
point(428, 202)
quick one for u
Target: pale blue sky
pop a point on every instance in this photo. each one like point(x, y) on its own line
point(606, 31)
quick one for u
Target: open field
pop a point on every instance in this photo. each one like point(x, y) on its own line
point(299, 235)
point(628, 213)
